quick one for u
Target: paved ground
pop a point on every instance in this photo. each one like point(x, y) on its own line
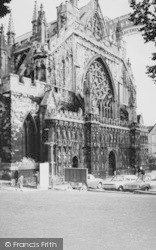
point(85, 220)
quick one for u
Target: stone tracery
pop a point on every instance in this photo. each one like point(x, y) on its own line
point(95, 26)
point(98, 87)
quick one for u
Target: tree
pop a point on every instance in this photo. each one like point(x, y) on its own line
point(4, 9)
point(144, 14)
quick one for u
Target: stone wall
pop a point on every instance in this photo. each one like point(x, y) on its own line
point(16, 104)
point(23, 86)
point(5, 127)
point(21, 106)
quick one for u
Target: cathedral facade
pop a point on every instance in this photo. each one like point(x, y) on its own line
point(67, 95)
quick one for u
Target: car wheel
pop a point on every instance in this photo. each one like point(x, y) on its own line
point(99, 186)
point(120, 188)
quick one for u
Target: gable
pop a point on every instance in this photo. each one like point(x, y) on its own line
point(152, 130)
point(95, 26)
point(92, 17)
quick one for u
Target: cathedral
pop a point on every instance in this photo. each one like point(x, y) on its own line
point(67, 94)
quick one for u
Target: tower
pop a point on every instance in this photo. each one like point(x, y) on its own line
point(66, 13)
point(40, 52)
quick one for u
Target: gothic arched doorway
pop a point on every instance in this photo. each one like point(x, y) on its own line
point(112, 163)
point(75, 162)
point(29, 138)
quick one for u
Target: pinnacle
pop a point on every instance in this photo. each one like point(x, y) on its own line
point(35, 14)
point(42, 13)
point(2, 37)
point(41, 7)
point(11, 25)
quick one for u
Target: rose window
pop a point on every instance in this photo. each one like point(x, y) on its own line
point(99, 81)
point(98, 87)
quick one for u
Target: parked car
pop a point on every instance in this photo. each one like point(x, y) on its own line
point(93, 182)
point(118, 182)
point(142, 183)
point(152, 174)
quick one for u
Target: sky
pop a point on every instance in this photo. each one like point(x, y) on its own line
point(138, 52)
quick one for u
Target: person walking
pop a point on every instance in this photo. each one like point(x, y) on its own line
point(16, 178)
point(20, 183)
point(141, 172)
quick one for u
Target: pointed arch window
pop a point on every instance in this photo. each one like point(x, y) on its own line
point(29, 138)
point(43, 72)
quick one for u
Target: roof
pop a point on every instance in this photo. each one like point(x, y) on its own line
point(150, 128)
point(23, 37)
point(83, 10)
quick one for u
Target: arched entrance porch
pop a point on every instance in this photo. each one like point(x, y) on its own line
point(29, 138)
point(75, 162)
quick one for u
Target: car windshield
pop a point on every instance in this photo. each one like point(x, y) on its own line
point(91, 177)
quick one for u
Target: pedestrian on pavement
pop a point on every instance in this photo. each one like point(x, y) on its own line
point(114, 172)
point(16, 177)
point(141, 172)
point(118, 172)
point(20, 183)
point(37, 175)
point(138, 171)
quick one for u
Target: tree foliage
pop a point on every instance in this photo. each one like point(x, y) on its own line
point(144, 14)
point(4, 8)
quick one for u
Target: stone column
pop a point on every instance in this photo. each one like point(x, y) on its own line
point(87, 130)
point(51, 158)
